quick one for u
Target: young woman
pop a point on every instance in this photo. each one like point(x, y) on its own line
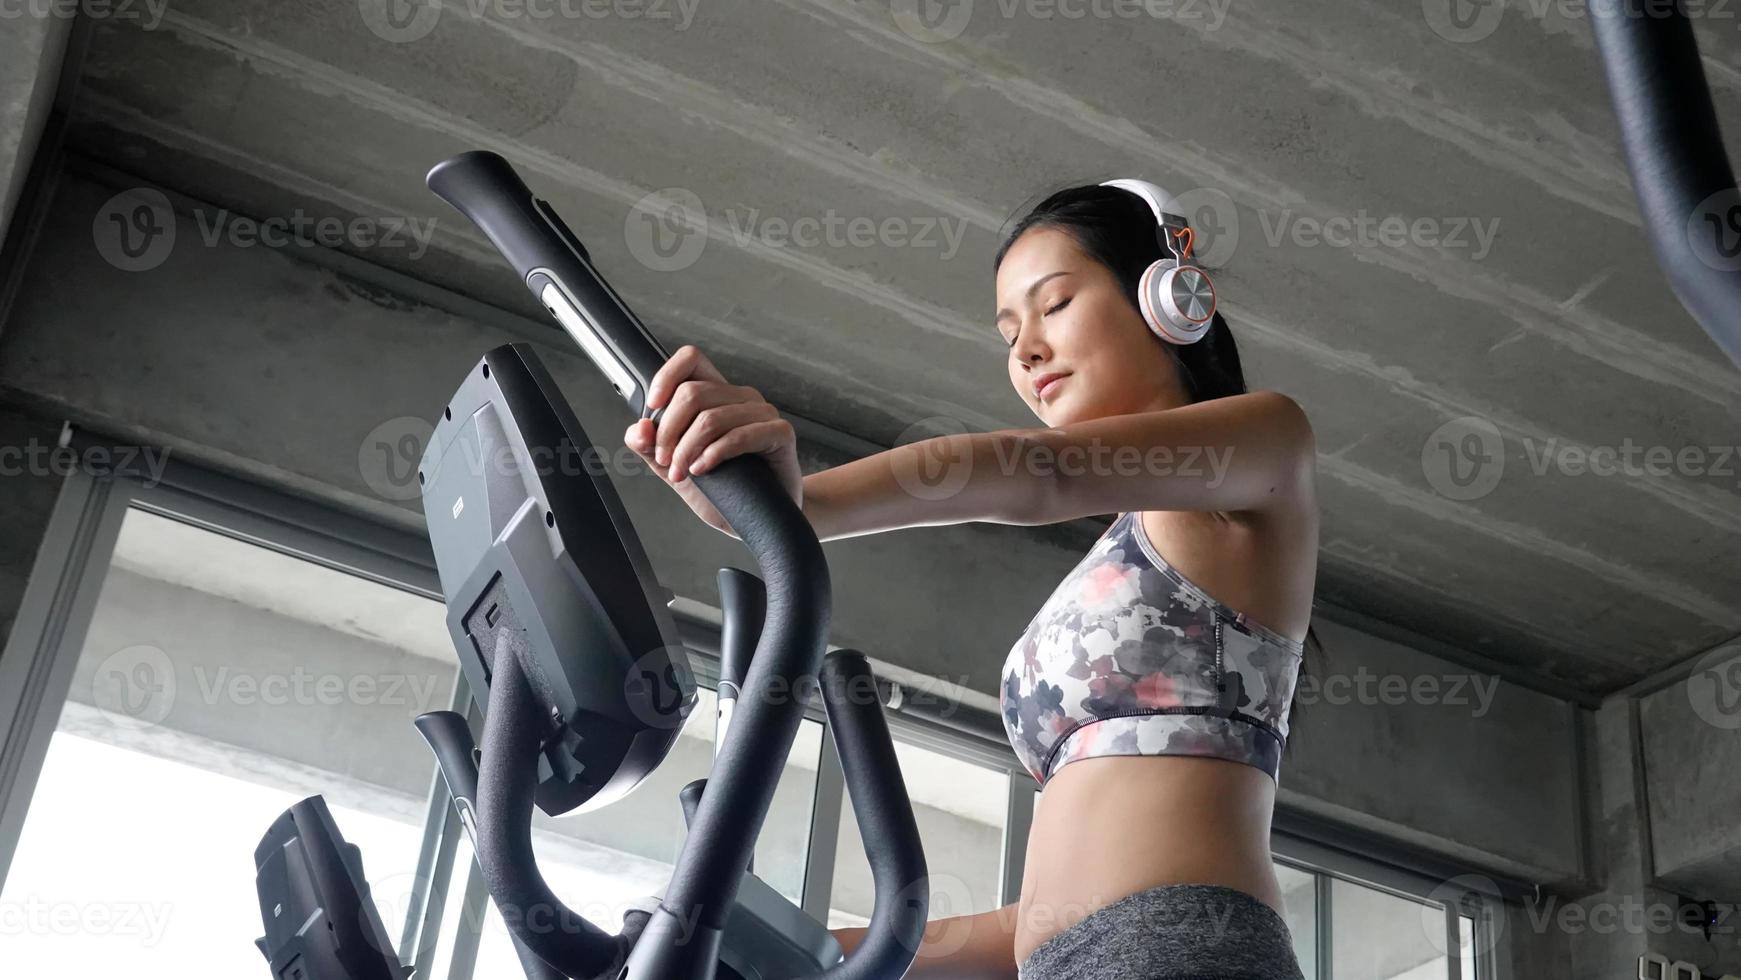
point(1150, 695)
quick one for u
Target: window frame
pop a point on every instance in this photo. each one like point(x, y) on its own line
point(1327, 863)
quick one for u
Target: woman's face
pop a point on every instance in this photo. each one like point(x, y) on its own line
point(1065, 314)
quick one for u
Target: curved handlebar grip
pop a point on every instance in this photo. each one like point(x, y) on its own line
point(507, 780)
point(555, 266)
point(1675, 152)
point(885, 822)
point(450, 738)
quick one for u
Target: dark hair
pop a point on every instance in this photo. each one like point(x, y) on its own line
point(1117, 229)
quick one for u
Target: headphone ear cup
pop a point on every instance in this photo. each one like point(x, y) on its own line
point(1177, 301)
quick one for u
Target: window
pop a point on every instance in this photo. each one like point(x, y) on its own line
point(219, 683)
point(960, 810)
point(1379, 936)
point(1300, 911)
point(1466, 947)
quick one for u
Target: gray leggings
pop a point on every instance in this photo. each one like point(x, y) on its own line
point(1173, 932)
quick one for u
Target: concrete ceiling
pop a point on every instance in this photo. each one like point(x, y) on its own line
point(1519, 306)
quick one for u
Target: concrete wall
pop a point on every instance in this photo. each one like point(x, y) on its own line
point(1634, 909)
point(31, 51)
point(1383, 731)
point(1656, 833)
point(1695, 812)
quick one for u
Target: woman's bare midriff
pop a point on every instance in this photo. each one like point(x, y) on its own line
point(1111, 826)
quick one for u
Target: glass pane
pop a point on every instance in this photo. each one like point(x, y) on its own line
point(1466, 946)
point(220, 682)
point(1300, 910)
point(603, 862)
point(959, 808)
point(1379, 936)
point(784, 847)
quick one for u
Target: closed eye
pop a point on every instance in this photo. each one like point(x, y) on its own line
point(1065, 302)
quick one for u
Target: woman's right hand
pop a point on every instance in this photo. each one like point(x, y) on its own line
point(707, 421)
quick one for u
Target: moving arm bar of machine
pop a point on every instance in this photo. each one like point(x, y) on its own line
point(1680, 172)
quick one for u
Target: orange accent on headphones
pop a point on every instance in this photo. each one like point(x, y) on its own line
point(1190, 238)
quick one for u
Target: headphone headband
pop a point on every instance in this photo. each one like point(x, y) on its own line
point(1174, 296)
point(1153, 196)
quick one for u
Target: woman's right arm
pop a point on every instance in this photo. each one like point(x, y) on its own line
point(949, 479)
point(952, 479)
point(962, 947)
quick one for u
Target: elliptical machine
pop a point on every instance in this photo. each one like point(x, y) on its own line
point(584, 685)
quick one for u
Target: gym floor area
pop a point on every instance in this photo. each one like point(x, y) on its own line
point(231, 313)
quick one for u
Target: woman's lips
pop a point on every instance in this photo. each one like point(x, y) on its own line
point(1049, 387)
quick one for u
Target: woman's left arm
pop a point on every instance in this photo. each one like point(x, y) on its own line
point(1250, 452)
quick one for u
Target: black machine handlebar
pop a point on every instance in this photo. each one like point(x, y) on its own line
point(681, 940)
point(1680, 172)
point(555, 266)
point(451, 740)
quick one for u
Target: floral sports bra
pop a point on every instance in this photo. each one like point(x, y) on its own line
point(1128, 657)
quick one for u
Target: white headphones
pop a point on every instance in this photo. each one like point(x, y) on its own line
point(1175, 296)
